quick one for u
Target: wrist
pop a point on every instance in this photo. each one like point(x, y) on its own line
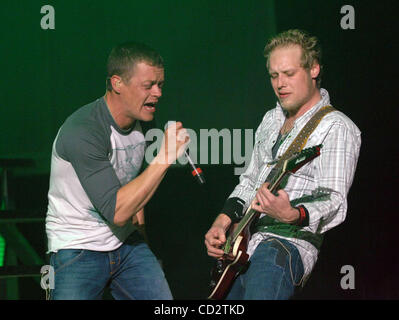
point(162, 160)
point(294, 216)
point(222, 221)
point(233, 208)
point(302, 216)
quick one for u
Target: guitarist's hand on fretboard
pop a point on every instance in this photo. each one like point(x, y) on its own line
point(216, 236)
point(277, 207)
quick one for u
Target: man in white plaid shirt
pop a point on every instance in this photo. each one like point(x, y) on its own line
point(284, 247)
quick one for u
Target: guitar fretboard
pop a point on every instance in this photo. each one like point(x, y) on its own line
point(251, 213)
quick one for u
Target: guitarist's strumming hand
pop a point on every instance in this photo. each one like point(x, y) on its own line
point(277, 207)
point(216, 236)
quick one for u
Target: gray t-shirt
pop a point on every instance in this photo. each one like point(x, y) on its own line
point(91, 159)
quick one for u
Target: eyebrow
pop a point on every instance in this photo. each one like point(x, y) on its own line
point(285, 71)
point(152, 82)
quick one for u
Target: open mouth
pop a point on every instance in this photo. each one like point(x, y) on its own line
point(150, 106)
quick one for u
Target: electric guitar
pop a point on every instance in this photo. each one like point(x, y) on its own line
point(235, 256)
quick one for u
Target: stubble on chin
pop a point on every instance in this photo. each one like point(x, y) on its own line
point(290, 109)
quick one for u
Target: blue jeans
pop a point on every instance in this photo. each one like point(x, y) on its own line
point(269, 275)
point(131, 272)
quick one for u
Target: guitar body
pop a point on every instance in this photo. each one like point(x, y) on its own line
point(228, 268)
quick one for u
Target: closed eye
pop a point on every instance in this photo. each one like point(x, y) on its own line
point(149, 85)
point(273, 75)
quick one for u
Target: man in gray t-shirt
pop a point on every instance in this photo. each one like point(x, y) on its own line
point(98, 190)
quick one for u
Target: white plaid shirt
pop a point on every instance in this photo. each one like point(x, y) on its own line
point(333, 169)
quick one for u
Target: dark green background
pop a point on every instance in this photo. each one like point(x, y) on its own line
point(215, 75)
point(215, 78)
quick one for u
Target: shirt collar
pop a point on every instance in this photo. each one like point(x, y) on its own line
point(324, 101)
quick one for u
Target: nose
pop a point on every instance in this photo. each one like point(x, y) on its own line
point(280, 82)
point(156, 91)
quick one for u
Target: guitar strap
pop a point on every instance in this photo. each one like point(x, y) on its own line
point(300, 140)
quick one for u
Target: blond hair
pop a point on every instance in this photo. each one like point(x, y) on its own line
point(311, 50)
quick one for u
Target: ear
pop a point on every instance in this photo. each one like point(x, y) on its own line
point(116, 82)
point(315, 70)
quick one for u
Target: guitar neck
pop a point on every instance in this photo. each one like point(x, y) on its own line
point(250, 214)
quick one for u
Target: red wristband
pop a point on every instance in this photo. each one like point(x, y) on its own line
point(302, 215)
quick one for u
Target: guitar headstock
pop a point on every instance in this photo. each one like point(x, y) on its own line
point(299, 159)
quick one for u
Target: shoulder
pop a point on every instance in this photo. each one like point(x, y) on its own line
point(84, 122)
point(83, 129)
point(339, 119)
point(336, 129)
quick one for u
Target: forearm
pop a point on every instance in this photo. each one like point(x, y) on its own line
point(132, 197)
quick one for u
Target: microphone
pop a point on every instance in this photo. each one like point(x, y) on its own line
point(196, 171)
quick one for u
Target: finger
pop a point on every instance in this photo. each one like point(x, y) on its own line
point(256, 205)
point(170, 126)
point(217, 232)
point(215, 255)
point(262, 200)
point(281, 193)
point(179, 125)
point(268, 196)
point(214, 246)
point(213, 251)
point(221, 235)
point(182, 135)
point(263, 191)
point(266, 185)
point(215, 238)
point(214, 243)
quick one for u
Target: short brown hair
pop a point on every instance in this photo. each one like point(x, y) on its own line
point(125, 56)
point(311, 50)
